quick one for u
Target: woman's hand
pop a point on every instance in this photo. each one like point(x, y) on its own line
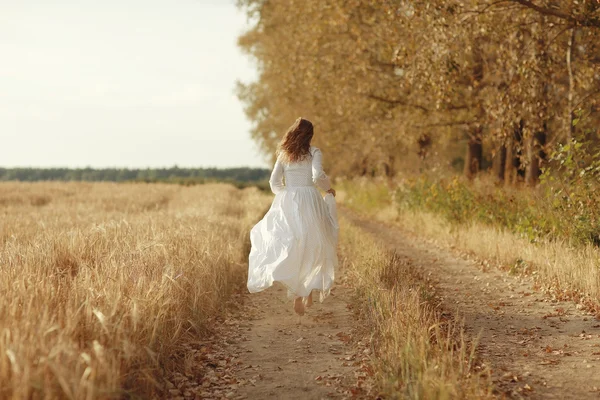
point(332, 191)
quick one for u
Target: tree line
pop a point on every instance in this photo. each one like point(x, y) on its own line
point(173, 174)
point(498, 83)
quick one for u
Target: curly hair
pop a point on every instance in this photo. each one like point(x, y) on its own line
point(295, 145)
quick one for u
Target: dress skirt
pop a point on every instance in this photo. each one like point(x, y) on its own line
point(295, 243)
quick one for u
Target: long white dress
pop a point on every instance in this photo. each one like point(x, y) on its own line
point(295, 242)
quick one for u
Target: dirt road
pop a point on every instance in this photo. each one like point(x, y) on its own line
point(265, 351)
point(535, 347)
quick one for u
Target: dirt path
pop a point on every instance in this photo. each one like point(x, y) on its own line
point(262, 352)
point(537, 348)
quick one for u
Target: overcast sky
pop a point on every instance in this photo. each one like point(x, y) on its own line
point(125, 83)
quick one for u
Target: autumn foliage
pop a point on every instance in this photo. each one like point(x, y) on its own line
point(476, 84)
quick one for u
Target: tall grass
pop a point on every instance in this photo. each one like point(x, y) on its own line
point(418, 353)
point(507, 227)
point(103, 284)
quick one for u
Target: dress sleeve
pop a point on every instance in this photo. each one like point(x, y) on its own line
point(319, 177)
point(276, 180)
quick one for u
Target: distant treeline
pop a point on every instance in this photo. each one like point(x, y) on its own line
point(173, 174)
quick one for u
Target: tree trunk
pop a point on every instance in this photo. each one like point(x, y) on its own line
point(474, 154)
point(533, 164)
point(510, 172)
point(499, 163)
point(513, 169)
point(363, 167)
point(389, 167)
point(535, 156)
point(571, 114)
point(537, 141)
point(424, 143)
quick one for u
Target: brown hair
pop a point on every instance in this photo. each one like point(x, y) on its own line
point(295, 144)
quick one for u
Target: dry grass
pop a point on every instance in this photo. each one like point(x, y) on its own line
point(562, 269)
point(102, 284)
point(418, 354)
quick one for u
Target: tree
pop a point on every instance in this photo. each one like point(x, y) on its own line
point(377, 77)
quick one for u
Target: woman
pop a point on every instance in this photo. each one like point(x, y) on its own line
point(295, 243)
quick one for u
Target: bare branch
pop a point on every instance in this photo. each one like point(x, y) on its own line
point(484, 9)
point(448, 123)
point(398, 102)
point(589, 22)
point(586, 97)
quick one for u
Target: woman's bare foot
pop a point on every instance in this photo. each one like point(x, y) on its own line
point(299, 306)
point(309, 300)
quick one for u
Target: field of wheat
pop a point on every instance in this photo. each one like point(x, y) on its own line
point(102, 284)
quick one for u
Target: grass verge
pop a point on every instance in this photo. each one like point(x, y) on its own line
point(419, 354)
point(563, 268)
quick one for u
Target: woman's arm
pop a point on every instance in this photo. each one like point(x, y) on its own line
point(319, 177)
point(276, 180)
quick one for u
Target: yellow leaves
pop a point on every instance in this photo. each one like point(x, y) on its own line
point(337, 53)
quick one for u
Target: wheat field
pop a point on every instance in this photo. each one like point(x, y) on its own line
point(103, 284)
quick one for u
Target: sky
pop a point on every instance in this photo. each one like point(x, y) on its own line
point(123, 83)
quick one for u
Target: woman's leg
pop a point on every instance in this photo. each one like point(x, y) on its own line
point(299, 306)
point(309, 300)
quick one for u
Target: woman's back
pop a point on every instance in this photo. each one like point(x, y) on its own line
point(299, 174)
point(305, 173)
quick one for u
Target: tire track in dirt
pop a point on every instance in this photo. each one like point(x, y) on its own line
point(536, 347)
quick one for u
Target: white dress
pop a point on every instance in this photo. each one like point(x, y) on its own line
point(295, 242)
